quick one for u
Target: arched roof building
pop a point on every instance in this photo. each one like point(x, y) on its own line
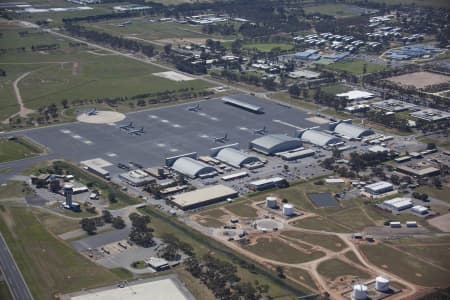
point(274, 143)
point(319, 138)
point(352, 131)
point(193, 168)
point(235, 158)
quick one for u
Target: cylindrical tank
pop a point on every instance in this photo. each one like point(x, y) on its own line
point(68, 191)
point(288, 209)
point(271, 202)
point(382, 284)
point(359, 292)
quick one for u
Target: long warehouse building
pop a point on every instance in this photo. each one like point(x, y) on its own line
point(202, 197)
point(235, 100)
point(274, 143)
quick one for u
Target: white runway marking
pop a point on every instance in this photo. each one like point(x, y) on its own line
point(111, 124)
point(76, 136)
point(287, 124)
point(161, 145)
point(165, 121)
point(111, 154)
point(153, 117)
point(88, 142)
point(214, 119)
point(243, 128)
point(204, 136)
point(176, 125)
point(174, 150)
point(66, 131)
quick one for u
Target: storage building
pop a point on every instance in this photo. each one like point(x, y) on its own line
point(269, 183)
point(318, 138)
point(204, 196)
point(420, 209)
point(399, 203)
point(236, 158)
point(378, 188)
point(352, 131)
point(274, 143)
point(193, 168)
point(238, 101)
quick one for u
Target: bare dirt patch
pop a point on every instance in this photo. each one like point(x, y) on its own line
point(102, 117)
point(318, 120)
point(75, 68)
point(420, 79)
point(441, 222)
point(175, 76)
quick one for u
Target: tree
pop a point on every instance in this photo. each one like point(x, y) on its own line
point(437, 182)
point(280, 272)
point(112, 197)
point(118, 222)
point(169, 252)
point(107, 216)
point(88, 225)
point(140, 233)
point(167, 49)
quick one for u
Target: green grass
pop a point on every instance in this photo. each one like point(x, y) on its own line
point(18, 148)
point(356, 67)
point(319, 223)
point(334, 89)
point(242, 210)
point(278, 250)
point(48, 265)
point(334, 268)
point(301, 275)
point(56, 224)
point(443, 143)
point(330, 242)
point(12, 189)
point(267, 47)
point(213, 213)
point(436, 254)
point(442, 193)
point(209, 222)
point(405, 266)
point(4, 291)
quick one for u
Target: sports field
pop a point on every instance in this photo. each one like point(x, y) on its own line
point(356, 67)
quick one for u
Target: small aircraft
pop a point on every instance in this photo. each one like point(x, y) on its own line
point(126, 126)
point(137, 131)
point(92, 112)
point(221, 139)
point(194, 108)
point(260, 131)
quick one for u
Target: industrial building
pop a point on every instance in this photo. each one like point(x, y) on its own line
point(304, 74)
point(418, 171)
point(350, 131)
point(356, 95)
point(379, 188)
point(193, 168)
point(393, 105)
point(274, 143)
point(158, 264)
point(204, 196)
point(264, 184)
point(96, 166)
point(420, 209)
point(431, 115)
point(238, 101)
point(236, 158)
point(136, 178)
point(398, 203)
point(318, 138)
point(296, 154)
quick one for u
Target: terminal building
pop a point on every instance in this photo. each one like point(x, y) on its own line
point(236, 158)
point(319, 138)
point(202, 197)
point(379, 188)
point(193, 168)
point(274, 143)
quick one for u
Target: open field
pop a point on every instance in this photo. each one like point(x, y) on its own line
point(434, 253)
point(441, 194)
point(48, 265)
point(443, 143)
point(56, 224)
point(276, 249)
point(242, 210)
point(267, 47)
point(356, 67)
point(17, 148)
point(320, 223)
point(405, 266)
point(334, 89)
point(4, 291)
point(433, 3)
point(12, 189)
point(203, 245)
point(301, 275)
point(334, 268)
point(330, 242)
point(337, 10)
point(213, 213)
point(420, 79)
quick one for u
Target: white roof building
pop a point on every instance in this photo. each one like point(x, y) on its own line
point(379, 187)
point(319, 138)
point(356, 95)
point(419, 209)
point(275, 143)
point(399, 203)
point(235, 158)
point(193, 168)
point(352, 131)
point(203, 196)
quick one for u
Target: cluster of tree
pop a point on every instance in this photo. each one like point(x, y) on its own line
point(90, 224)
point(2, 73)
point(221, 278)
point(141, 233)
point(44, 47)
point(249, 78)
point(388, 120)
point(116, 222)
point(105, 17)
point(222, 29)
point(360, 161)
point(108, 39)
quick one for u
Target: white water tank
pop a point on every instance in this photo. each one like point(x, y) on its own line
point(359, 292)
point(271, 202)
point(382, 284)
point(288, 209)
point(68, 192)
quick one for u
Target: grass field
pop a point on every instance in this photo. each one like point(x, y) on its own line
point(433, 3)
point(356, 67)
point(18, 148)
point(267, 47)
point(209, 222)
point(331, 242)
point(320, 223)
point(278, 250)
point(242, 210)
point(301, 275)
point(334, 89)
point(441, 194)
point(213, 213)
point(48, 265)
point(4, 291)
point(337, 10)
point(334, 268)
point(444, 143)
point(405, 266)
point(436, 254)
point(12, 189)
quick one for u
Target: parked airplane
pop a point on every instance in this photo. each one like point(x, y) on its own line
point(126, 126)
point(92, 112)
point(260, 131)
point(137, 131)
point(194, 108)
point(221, 139)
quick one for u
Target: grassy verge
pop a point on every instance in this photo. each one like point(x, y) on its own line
point(334, 268)
point(13, 189)
point(4, 291)
point(17, 148)
point(48, 265)
point(242, 210)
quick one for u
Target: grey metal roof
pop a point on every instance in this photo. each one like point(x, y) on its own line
point(191, 167)
point(235, 158)
point(319, 138)
point(273, 143)
point(234, 100)
point(352, 131)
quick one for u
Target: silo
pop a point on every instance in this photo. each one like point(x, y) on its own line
point(382, 284)
point(288, 209)
point(271, 202)
point(359, 292)
point(68, 192)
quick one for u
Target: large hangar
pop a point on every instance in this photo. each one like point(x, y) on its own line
point(274, 143)
point(318, 138)
point(236, 158)
point(193, 168)
point(203, 197)
point(352, 131)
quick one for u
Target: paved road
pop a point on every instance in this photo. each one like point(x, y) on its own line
point(17, 285)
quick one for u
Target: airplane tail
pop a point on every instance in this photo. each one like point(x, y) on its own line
point(226, 136)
